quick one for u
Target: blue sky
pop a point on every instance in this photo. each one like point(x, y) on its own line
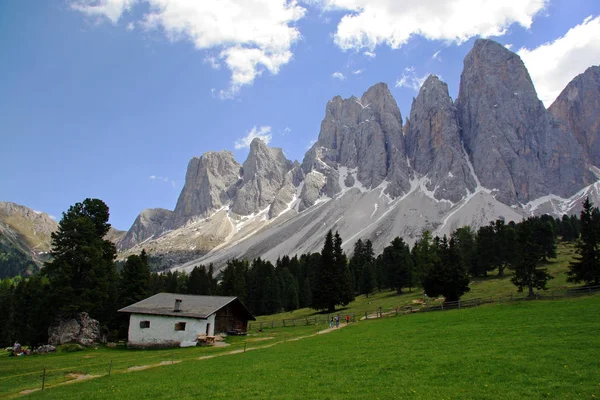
point(111, 98)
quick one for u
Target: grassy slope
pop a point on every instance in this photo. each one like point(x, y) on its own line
point(542, 349)
point(490, 286)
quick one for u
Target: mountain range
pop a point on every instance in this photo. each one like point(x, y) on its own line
point(493, 152)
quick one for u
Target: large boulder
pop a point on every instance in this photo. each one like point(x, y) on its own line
point(81, 329)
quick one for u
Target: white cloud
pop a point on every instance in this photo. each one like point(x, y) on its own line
point(263, 133)
point(130, 26)
point(52, 217)
point(213, 62)
point(410, 80)
point(358, 71)
point(162, 179)
point(252, 36)
point(508, 46)
point(338, 75)
point(369, 23)
point(110, 9)
point(286, 130)
point(370, 54)
point(552, 65)
point(436, 55)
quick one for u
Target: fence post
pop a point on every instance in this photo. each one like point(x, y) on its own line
point(476, 302)
point(110, 368)
point(271, 324)
point(396, 311)
point(442, 306)
point(44, 380)
point(171, 358)
point(459, 304)
point(380, 313)
point(366, 315)
point(284, 323)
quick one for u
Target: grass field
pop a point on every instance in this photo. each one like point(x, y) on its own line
point(521, 350)
point(490, 286)
point(539, 349)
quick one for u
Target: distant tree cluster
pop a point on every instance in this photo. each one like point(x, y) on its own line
point(82, 275)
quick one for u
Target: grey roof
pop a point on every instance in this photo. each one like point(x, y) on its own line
point(191, 306)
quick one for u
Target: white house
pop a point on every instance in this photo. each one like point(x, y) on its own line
point(169, 319)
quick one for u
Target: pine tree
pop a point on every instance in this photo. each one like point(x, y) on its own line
point(528, 273)
point(586, 267)
point(82, 272)
point(447, 276)
point(398, 265)
point(344, 288)
point(368, 279)
point(134, 284)
point(324, 292)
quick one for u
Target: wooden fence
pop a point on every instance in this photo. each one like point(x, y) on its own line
point(425, 306)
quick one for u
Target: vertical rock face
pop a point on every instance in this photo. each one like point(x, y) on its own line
point(516, 146)
point(150, 223)
point(264, 174)
point(578, 106)
point(363, 134)
point(433, 143)
point(210, 182)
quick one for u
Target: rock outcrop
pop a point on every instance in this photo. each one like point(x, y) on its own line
point(515, 144)
point(364, 135)
point(210, 183)
point(151, 222)
point(264, 175)
point(578, 106)
point(82, 329)
point(434, 145)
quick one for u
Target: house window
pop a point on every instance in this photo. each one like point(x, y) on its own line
point(180, 326)
point(144, 324)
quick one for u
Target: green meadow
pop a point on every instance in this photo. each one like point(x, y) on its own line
point(519, 349)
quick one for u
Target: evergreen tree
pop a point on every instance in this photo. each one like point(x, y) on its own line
point(368, 279)
point(398, 265)
point(447, 276)
point(134, 284)
point(465, 239)
point(566, 229)
point(528, 273)
point(356, 265)
point(233, 281)
point(424, 255)
point(586, 267)
point(82, 272)
point(344, 286)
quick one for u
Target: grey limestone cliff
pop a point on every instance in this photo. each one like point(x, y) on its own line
point(210, 183)
point(515, 144)
point(149, 224)
point(434, 145)
point(264, 174)
point(578, 106)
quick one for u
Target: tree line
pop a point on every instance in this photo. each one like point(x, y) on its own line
point(82, 274)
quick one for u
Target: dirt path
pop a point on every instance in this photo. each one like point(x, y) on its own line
point(82, 377)
point(74, 378)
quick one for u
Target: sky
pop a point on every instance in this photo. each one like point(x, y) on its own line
point(111, 98)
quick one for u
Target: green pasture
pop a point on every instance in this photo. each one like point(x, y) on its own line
point(529, 350)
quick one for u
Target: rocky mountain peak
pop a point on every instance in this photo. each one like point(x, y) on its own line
point(578, 106)
point(365, 137)
point(433, 143)
point(514, 143)
point(151, 222)
point(209, 184)
point(264, 174)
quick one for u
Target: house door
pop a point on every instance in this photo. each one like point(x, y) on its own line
point(208, 329)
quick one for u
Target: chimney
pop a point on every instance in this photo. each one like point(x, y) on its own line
point(177, 305)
